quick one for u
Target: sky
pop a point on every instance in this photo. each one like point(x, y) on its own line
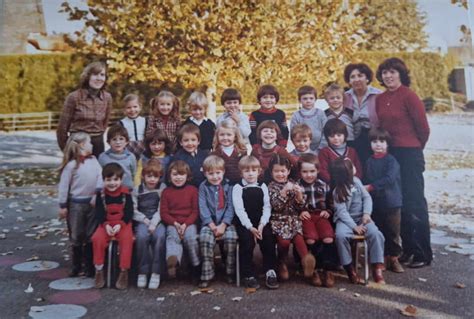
point(443, 20)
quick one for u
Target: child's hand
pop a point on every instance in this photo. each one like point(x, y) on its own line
point(366, 219)
point(151, 228)
point(213, 227)
point(116, 229)
point(234, 114)
point(109, 230)
point(221, 230)
point(183, 229)
point(368, 188)
point(305, 215)
point(260, 230)
point(146, 221)
point(360, 230)
point(255, 233)
point(324, 214)
point(62, 213)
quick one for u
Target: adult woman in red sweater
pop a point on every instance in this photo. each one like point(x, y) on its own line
point(401, 112)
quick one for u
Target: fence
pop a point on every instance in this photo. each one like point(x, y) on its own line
point(49, 120)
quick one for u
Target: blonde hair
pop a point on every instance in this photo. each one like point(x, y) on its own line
point(249, 161)
point(302, 130)
point(197, 99)
point(213, 162)
point(72, 151)
point(131, 97)
point(239, 143)
point(165, 94)
point(333, 87)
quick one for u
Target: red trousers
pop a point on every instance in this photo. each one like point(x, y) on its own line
point(100, 241)
point(283, 246)
point(317, 228)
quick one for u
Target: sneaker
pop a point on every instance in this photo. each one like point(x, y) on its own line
point(154, 281)
point(141, 281)
point(271, 280)
point(122, 281)
point(99, 279)
point(171, 263)
point(251, 282)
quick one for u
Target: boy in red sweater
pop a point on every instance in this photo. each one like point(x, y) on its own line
point(335, 132)
point(114, 211)
point(179, 210)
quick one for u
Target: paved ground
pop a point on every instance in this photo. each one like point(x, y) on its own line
point(30, 210)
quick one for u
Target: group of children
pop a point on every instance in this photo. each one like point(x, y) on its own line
point(165, 187)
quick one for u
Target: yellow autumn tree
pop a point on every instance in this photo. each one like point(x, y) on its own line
point(219, 43)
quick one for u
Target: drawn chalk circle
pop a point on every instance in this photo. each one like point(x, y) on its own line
point(37, 265)
point(58, 312)
point(76, 283)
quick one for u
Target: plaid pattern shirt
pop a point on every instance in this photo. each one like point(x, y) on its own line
point(84, 112)
point(170, 127)
point(316, 196)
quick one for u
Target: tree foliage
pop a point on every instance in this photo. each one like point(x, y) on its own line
point(392, 26)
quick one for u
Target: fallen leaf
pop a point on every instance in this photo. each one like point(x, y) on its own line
point(32, 258)
point(342, 289)
point(409, 311)
point(6, 231)
point(250, 290)
point(19, 248)
point(160, 299)
point(36, 309)
point(30, 235)
point(207, 290)
point(455, 245)
point(172, 294)
point(460, 285)
point(20, 219)
point(39, 299)
point(272, 310)
point(237, 299)
point(217, 308)
point(356, 294)
point(422, 279)
point(28, 209)
point(7, 253)
point(195, 292)
point(61, 244)
point(3, 236)
point(29, 289)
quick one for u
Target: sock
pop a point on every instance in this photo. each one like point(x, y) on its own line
point(99, 267)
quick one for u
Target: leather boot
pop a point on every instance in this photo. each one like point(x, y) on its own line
point(352, 274)
point(99, 279)
point(76, 261)
point(308, 262)
point(328, 279)
point(122, 281)
point(89, 261)
point(283, 272)
point(395, 265)
point(377, 273)
point(316, 280)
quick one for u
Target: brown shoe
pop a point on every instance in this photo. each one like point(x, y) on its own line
point(395, 265)
point(99, 279)
point(308, 262)
point(316, 280)
point(122, 281)
point(283, 273)
point(171, 263)
point(377, 273)
point(328, 279)
point(352, 274)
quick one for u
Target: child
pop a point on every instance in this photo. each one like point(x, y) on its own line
point(157, 146)
point(353, 207)
point(384, 184)
point(179, 211)
point(134, 124)
point(334, 95)
point(117, 138)
point(286, 199)
point(80, 179)
point(252, 207)
point(150, 233)
point(114, 212)
point(229, 145)
point(335, 132)
point(164, 115)
point(189, 138)
point(231, 101)
point(316, 214)
point(217, 212)
point(268, 97)
point(301, 136)
point(268, 133)
point(197, 105)
point(311, 116)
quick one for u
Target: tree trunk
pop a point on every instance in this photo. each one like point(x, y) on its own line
point(211, 94)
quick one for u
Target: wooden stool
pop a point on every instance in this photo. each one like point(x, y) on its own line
point(356, 240)
point(112, 253)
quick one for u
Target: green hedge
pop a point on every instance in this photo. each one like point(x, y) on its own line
point(39, 83)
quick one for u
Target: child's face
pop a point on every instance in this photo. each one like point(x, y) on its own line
point(165, 106)
point(132, 109)
point(112, 183)
point(268, 135)
point(302, 143)
point(97, 81)
point(280, 173)
point(214, 176)
point(334, 100)
point(307, 101)
point(198, 112)
point(157, 147)
point(118, 144)
point(267, 102)
point(189, 142)
point(336, 139)
point(232, 106)
point(151, 180)
point(250, 174)
point(178, 179)
point(378, 146)
point(86, 147)
point(226, 136)
point(309, 172)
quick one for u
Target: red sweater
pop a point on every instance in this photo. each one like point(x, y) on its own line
point(403, 115)
point(232, 172)
point(265, 155)
point(327, 155)
point(179, 205)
